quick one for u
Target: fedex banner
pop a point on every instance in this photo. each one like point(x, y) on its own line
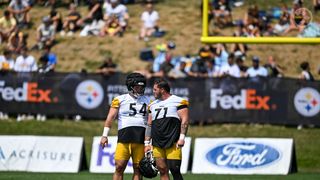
point(281, 101)
point(242, 156)
point(40, 153)
point(102, 160)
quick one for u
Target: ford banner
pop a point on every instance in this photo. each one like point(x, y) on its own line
point(102, 160)
point(242, 155)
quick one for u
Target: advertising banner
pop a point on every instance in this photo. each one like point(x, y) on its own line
point(281, 101)
point(40, 153)
point(102, 160)
point(242, 156)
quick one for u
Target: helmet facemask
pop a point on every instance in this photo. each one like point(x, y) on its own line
point(136, 84)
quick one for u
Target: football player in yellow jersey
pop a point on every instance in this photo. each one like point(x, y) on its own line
point(167, 127)
point(131, 110)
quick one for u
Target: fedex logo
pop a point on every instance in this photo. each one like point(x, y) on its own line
point(29, 92)
point(247, 99)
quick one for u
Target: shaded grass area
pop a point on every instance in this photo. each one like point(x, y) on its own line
point(306, 140)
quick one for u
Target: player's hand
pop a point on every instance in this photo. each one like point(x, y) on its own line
point(104, 141)
point(147, 148)
point(180, 143)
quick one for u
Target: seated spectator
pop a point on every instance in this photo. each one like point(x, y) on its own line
point(316, 5)
point(120, 10)
point(25, 62)
point(112, 27)
point(199, 68)
point(256, 70)
point(17, 41)
point(6, 62)
point(149, 20)
point(306, 74)
point(20, 10)
point(284, 21)
point(48, 61)
point(7, 26)
point(220, 55)
point(73, 21)
point(243, 68)
point(108, 67)
point(230, 69)
point(56, 19)
point(222, 13)
point(94, 19)
point(299, 18)
point(212, 70)
point(240, 32)
point(252, 16)
point(45, 34)
point(274, 70)
point(178, 73)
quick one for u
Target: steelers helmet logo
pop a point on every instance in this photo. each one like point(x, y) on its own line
point(307, 102)
point(89, 94)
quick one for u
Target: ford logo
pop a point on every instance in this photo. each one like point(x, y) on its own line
point(243, 155)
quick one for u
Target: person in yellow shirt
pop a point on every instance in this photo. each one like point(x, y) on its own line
point(7, 25)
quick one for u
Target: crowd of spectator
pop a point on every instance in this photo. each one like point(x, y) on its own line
point(112, 18)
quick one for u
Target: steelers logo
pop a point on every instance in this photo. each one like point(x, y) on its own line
point(307, 102)
point(89, 94)
point(302, 16)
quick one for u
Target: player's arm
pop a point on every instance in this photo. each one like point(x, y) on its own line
point(113, 112)
point(147, 137)
point(183, 114)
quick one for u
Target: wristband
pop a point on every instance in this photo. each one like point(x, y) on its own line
point(182, 136)
point(105, 131)
point(146, 143)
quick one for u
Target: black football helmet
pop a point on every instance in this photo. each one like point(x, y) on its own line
point(147, 166)
point(136, 79)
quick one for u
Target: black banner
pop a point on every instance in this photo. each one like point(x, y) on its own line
point(212, 100)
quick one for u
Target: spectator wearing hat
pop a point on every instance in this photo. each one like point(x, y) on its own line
point(256, 70)
point(149, 20)
point(305, 73)
point(45, 34)
point(20, 10)
point(7, 26)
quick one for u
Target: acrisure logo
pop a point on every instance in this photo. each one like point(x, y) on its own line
point(89, 94)
point(307, 102)
point(243, 155)
point(247, 99)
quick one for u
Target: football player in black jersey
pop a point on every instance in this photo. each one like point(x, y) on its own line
point(167, 127)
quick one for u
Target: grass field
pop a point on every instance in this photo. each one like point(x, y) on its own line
point(306, 141)
point(90, 176)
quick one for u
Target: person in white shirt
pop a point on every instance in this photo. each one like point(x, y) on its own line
point(149, 20)
point(256, 69)
point(114, 8)
point(230, 69)
point(25, 62)
point(6, 61)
